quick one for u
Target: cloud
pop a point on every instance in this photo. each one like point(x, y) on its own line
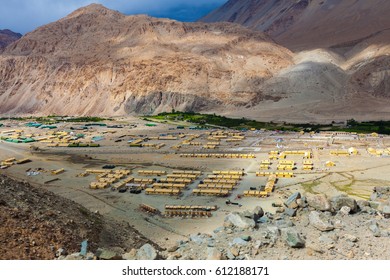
point(26, 15)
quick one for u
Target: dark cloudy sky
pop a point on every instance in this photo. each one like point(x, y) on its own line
point(25, 15)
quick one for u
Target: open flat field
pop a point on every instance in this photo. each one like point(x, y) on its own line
point(176, 161)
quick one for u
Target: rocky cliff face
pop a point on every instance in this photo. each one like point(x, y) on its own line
point(308, 24)
point(7, 37)
point(99, 62)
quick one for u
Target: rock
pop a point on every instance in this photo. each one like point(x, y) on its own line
point(258, 212)
point(373, 226)
point(319, 202)
point(196, 238)
point(292, 238)
point(374, 204)
point(213, 254)
point(386, 211)
point(234, 219)
point(219, 229)
point(339, 201)
point(350, 237)
point(320, 221)
point(61, 252)
point(230, 255)
point(344, 211)
point(74, 257)
point(362, 203)
point(104, 254)
point(173, 248)
point(130, 255)
point(239, 241)
point(211, 242)
point(302, 202)
point(291, 202)
point(246, 238)
point(325, 239)
point(263, 220)
point(146, 252)
point(235, 252)
point(290, 212)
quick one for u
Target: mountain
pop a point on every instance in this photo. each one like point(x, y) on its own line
point(7, 37)
point(308, 24)
point(99, 62)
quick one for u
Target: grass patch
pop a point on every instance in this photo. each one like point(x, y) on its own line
point(309, 186)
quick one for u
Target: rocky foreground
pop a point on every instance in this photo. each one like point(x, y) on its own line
point(36, 224)
point(312, 227)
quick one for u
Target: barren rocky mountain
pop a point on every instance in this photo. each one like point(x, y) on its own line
point(97, 61)
point(308, 24)
point(7, 37)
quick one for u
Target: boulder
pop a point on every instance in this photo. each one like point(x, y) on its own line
point(258, 212)
point(290, 212)
point(374, 228)
point(239, 241)
point(292, 238)
point(343, 200)
point(320, 221)
point(291, 202)
point(319, 202)
point(236, 220)
point(344, 211)
point(350, 237)
point(386, 211)
point(146, 252)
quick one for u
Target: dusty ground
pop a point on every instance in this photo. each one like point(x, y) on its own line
point(354, 175)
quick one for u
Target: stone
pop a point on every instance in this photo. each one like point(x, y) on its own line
point(234, 219)
point(263, 220)
point(325, 239)
point(219, 229)
point(246, 238)
point(362, 203)
point(211, 242)
point(291, 202)
point(386, 211)
point(320, 221)
point(350, 237)
point(290, 212)
point(104, 254)
point(130, 255)
point(258, 212)
point(230, 255)
point(213, 254)
point(319, 202)
point(196, 238)
point(292, 238)
point(146, 252)
point(239, 241)
point(235, 252)
point(173, 248)
point(374, 228)
point(339, 201)
point(302, 202)
point(374, 204)
point(344, 211)
point(61, 252)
